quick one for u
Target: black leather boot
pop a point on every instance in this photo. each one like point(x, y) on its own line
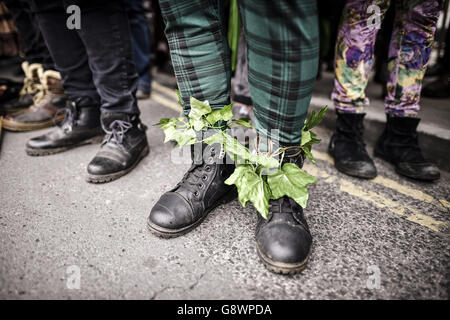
point(125, 144)
point(348, 149)
point(283, 241)
point(399, 145)
point(80, 126)
point(200, 191)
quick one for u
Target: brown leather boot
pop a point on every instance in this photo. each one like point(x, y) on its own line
point(47, 102)
point(31, 84)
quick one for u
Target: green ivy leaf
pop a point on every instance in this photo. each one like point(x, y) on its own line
point(234, 149)
point(199, 109)
point(315, 119)
point(242, 122)
point(223, 114)
point(251, 187)
point(306, 137)
point(263, 160)
point(179, 98)
point(290, 181)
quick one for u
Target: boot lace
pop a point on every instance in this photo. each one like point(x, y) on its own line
point(68, 121)
point(117, 131)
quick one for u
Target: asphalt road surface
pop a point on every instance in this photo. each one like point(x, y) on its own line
point(62, 238)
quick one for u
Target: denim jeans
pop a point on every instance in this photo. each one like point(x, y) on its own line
point(33, 44)
point(95, 60)
point(140, 37)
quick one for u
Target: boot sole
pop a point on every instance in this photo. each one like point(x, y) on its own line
point(173, 233)
point(46, 152)
point(22, 127)
point(98, 179)
point(280, 267)
point(382, 156)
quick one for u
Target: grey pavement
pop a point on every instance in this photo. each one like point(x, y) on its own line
point(381, 239)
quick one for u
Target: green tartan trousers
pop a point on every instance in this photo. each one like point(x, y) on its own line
point(282, 49)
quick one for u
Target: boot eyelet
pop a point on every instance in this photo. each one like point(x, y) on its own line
point(196, 193)
point(208, 168)
point(201, 185)
point(205, 177)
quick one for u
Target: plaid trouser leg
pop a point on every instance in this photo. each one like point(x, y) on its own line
point(199, 50)
point(283, 48)
point(283, 52)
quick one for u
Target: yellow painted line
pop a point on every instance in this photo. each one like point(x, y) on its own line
point(170, 92)
point(445, 203)
point(165, 101)
point(379, 200)
point(389, 183)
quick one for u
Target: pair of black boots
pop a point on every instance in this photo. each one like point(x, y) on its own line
point(123, 146)
point(283, 241)
point(398, 144)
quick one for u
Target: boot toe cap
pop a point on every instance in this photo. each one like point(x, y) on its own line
point(421, 171)
point(39, 142)
point(102, 166)
point(361, 169)
point(283, 243)
point(171, 212)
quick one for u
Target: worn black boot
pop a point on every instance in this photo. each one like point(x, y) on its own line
point(348, 149)
point(200, 191)
point(283, 241)
point(399, 145)
point(80, 126)
point(125, 144)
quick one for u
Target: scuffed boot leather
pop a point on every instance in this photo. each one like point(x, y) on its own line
point(47, 102)
point(284, 241)
point(125, 144)
point(399, 145)
point(81, 125)
point(348, 149)
point(200, 191)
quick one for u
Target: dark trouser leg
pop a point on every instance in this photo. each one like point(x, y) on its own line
point(67, 50)
point(140, 40)
point(105, 33)
point(33, 44)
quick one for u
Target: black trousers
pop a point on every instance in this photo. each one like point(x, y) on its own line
point(96, 59)
point(34, 47)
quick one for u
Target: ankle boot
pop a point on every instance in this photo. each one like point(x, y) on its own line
point(125, 144)
point(348, 149)
point(31, 84)
point(47, 102)
point(200, 191)
point(283, 241)
point(399, 145)
point(81, 125)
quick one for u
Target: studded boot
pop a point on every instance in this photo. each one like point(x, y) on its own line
point(202, 189)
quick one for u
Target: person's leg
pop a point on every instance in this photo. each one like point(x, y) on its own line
point(241, 90)
point(283, 53)
point(283, 60)
point(36, 56)
point(141, 45)
point(105, 33)
point(200, 55)
point(353, 63)
point(34, 47)
point(409, 53)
